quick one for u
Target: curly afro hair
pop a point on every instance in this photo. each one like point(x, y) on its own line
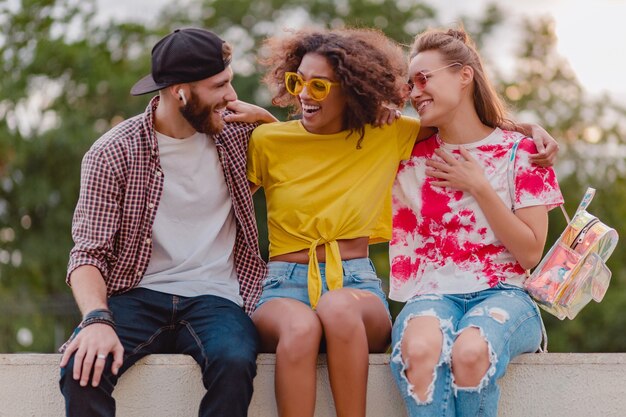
point(370, 67)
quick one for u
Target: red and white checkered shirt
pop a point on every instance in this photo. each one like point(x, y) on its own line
point(120, 191)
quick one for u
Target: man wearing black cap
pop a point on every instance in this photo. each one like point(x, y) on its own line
point(166, 258)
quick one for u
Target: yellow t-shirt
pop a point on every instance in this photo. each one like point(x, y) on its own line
point(320, 188)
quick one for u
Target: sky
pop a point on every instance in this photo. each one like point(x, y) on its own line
point(590, 36)
point(590, 33)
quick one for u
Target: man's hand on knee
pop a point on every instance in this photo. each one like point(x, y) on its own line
point(92, 346)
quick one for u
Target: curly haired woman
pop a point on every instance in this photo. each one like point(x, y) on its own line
point(327, 180)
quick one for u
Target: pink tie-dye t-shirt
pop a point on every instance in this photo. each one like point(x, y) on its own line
point(442, 242)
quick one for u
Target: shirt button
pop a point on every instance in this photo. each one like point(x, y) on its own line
point(138, 273)
point(148, 241)
point(151, 205)
point(158, 173)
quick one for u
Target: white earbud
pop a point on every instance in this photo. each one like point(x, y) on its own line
point(181, 93)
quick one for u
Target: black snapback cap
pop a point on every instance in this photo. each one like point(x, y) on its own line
point(183, 56)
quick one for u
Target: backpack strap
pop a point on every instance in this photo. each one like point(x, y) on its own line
point(584, 203)
point(510, 172)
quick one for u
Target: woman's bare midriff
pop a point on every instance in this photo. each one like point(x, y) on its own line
point(349, 249)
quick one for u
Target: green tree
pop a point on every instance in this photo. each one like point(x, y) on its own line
point(592, 132)
point(65, 77)
point(64, 81)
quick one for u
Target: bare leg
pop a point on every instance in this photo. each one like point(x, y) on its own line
point(421, 349)
point(292, 330)
point(355, 322)
point(470, 358)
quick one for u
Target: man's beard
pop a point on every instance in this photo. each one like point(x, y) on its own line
point(201, 118)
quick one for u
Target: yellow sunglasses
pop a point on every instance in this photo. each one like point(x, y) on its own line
point(318, 88)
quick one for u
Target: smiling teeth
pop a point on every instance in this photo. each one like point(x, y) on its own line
point(309, 108)
point(423, 104)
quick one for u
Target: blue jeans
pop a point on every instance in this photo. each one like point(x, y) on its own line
point(509, 321)
point(289, 280)
point(214, 331)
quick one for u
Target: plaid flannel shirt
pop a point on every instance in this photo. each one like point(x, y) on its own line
point(120, 191)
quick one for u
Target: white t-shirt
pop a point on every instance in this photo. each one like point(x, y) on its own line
point(442, 242)
point(194, 230)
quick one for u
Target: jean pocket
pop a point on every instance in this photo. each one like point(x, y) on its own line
point(519, 292)
point(362, 277)
point(274, 280)
point(504, 286)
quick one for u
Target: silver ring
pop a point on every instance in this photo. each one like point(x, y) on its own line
point(101, 356)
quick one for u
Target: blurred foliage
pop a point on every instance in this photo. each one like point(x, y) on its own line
point(64, 81)
point(592, 132)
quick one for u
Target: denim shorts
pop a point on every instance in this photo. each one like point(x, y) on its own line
point(289, 280)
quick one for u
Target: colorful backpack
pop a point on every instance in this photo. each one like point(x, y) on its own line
point(573, 272)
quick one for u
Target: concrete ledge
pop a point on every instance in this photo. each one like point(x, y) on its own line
point(554, 384)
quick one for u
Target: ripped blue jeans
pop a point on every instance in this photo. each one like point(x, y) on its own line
point(506, 317)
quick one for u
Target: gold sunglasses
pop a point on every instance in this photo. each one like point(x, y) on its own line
point(318, 88)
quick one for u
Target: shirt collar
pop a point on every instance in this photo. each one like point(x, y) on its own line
point(148, 122)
